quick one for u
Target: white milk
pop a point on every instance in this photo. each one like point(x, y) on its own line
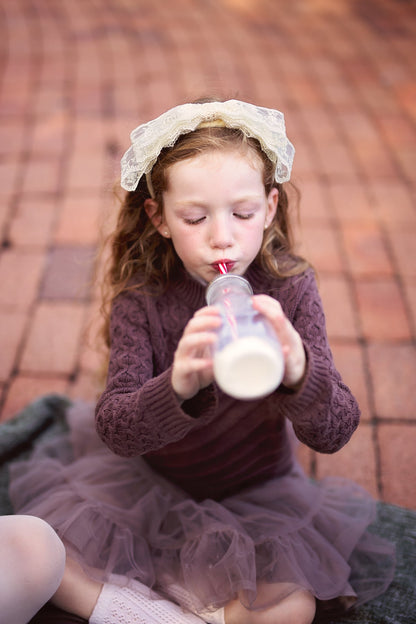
point(248, 368)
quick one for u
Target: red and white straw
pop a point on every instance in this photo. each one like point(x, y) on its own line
point(222, 268)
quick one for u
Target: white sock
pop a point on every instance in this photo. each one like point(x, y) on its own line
point(182, 596)
point(137, 604)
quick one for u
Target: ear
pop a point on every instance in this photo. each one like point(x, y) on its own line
point(151, 206)
point(272, 201)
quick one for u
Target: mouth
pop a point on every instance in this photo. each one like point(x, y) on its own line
point(223, 266)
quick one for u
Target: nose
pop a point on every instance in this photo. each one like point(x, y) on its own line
point(221, 235)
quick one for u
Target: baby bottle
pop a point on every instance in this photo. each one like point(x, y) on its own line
point(248, 360)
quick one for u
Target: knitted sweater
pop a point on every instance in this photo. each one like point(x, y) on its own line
point(213, 445)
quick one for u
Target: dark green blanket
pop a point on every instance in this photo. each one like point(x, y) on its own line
point(45, 418)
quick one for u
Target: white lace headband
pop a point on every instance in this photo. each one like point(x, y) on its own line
point(264, 124)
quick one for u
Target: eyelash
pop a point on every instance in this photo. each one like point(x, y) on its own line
point(243, 217)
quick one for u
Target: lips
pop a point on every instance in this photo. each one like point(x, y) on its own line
point(228, 264)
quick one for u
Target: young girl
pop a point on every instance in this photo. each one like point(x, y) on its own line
point(195, 509)
point(32, 562)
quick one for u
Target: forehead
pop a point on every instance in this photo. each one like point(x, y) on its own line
point(213, 162)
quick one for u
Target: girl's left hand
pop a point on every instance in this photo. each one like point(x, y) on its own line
point(290, 340)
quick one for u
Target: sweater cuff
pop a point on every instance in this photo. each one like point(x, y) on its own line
point(203, 405)
point(176, 418)
point(296, 403)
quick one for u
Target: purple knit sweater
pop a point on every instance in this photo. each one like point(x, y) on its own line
point(213, 445)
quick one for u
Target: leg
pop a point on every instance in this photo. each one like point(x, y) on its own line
point(297, 608)
point(32, 560)
point(77, 593)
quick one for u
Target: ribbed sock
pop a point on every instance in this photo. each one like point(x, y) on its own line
point(135, 603)
point(178, 593)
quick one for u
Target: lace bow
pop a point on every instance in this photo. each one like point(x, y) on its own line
point(264, 124)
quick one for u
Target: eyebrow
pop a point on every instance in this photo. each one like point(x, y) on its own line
point(199, 202)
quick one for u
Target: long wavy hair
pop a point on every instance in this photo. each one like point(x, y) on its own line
point(140, 258)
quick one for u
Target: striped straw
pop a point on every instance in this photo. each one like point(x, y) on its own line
point(222, 268)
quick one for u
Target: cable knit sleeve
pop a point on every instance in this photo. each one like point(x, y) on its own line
point(138, 411)
point(323, 411)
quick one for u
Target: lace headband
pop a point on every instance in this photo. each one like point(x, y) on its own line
point(264, 124)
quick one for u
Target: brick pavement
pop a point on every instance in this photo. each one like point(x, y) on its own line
point(77, 76)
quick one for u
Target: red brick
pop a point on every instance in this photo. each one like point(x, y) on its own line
point(335, 160)
point(93, 355)
point(32, 223)
point(392, 369)
point(375, 161)
point(23, 390)
point(304, 91)
point(338, 307)
point(366, 249)
point(86, 173)
point(406, 157)
point(339, 94)
point(12, 327)
point(349, 201)
point(320, 125)
point(393, 202)
point(20, 273)
point(68, 273)
point(12, 134)
point(313, 203)
point(355, 461)
point(410, 290)
point(86, 388)
point(382, 310)
point(398, 461)
point(305, 165)
point(403, 242)
point(41, 176)
point(4, 213)
point(320, 246)
point(79, 220)
point(397, 130)
point(53, 342)
point(49, 133)
point(15, 94)
point(9, 171)
point(406, 92)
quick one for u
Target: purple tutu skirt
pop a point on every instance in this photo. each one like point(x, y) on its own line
point(116, 515)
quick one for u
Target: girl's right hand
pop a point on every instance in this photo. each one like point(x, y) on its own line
point(192, 364)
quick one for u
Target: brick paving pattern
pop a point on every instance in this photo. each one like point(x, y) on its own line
point(77, 77)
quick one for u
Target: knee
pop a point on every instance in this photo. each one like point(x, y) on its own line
point(36, 544)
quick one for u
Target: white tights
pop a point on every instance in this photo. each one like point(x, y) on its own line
point(32, 561)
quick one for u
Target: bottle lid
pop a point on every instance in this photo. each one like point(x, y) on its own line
point(227, 284)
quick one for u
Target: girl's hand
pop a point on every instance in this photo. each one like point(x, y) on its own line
point(192, 363)
point(292, 346)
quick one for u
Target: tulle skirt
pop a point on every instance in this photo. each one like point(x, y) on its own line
point(116, 515)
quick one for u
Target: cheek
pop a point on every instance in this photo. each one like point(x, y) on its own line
point(184, 242)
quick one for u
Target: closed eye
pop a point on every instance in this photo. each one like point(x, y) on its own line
point(194, 221)
point(243, 216)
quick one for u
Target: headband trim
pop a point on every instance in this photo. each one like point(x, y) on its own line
point(264, 124)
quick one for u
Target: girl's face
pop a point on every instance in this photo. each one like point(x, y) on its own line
point(216, 210)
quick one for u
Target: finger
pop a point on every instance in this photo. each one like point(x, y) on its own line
point(203, 322)
point(268, 306)
point(207, 311)
point(193, 344)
